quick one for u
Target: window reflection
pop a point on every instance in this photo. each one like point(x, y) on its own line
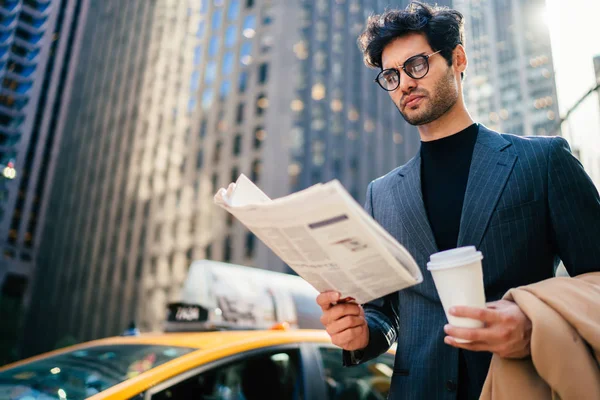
point(200, 31)
point(195, 81)
point(227, 63)
point(225, 89)
point(243, 81)
point(234, 10)
point(213, 46)
point(197, 55)
point(207, 99)
point(216, 19)
point(230, 36)
point(210, 73)
point(261, 104)
point(245, 52)
point(85, 372)
point(250, 22)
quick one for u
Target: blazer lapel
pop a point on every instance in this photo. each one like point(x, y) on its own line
point(409, 200)
point(489, 172)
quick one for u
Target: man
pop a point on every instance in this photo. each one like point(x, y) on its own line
point(525, 203)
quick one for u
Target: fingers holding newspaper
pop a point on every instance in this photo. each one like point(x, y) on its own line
point(345, 322)
point(223, 195)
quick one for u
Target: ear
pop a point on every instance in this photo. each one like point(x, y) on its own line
point(459, 58)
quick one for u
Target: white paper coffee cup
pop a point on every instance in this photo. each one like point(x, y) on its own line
point(458, 278)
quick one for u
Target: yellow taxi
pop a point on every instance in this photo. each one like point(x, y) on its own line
point(208, 353)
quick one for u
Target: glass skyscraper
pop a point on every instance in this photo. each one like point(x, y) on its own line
point(36, 45)
point(510, 85)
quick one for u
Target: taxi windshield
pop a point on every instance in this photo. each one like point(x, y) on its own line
point(85, 372)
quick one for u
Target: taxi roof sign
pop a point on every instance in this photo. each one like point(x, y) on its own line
point(219, 295)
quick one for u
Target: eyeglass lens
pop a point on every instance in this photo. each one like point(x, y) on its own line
point(416, 67)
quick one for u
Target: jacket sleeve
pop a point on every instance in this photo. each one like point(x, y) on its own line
point(381, 315)
point(574, 207)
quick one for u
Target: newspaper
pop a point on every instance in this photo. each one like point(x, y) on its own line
point(326, 237)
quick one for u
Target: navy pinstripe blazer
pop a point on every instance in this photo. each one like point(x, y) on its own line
point(528, 205)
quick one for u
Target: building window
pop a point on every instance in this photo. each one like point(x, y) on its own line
point(208, 252)
point(235, 173)
point(227, 63)
point(213, 46)
point(203, 126)
point(216, 20)
point(174, 229)
point(157, 233)
point(227, 249)
point(237, 145)
point(214, 182)
point(250, 245)
point(225, 90)
point(139, 266)
point(217, 153)
point(243, 81)
point(197, 55)
point(189, 256)
point(259, 135)
point(234, 10)
point(249, 27)
point(256, 170)
point(261, 104)
point(230, 36)
point(249, 3)
point(245, 53)
point(240, 114)
point(207, 99)
point(263, 73)
point(267, 15)
point(211, 72)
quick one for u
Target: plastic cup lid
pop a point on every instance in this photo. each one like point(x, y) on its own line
point(454, 258)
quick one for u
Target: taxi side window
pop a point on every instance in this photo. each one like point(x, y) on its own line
point(273, 375)
point(368, 381)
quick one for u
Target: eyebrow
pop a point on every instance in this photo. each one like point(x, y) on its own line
point(396, 64)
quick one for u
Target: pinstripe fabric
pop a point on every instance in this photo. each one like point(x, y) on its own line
point(528, 203)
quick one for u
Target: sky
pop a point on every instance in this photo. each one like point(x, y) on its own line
point(575, 36)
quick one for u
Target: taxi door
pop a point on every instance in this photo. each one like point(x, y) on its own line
point(370, 380)
point(275, 372)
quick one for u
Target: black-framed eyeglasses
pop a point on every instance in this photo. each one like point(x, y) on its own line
point(416, 67)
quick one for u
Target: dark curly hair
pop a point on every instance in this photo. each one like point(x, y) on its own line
point(442, 26)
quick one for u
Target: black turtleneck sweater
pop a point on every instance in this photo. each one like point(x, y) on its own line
point(445, 167)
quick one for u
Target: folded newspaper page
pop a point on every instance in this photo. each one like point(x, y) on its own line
point(326, 237)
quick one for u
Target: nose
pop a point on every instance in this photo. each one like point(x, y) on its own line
point(407, 84)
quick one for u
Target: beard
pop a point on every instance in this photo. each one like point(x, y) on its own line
point(444, 98)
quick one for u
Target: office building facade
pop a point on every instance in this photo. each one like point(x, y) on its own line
point(510, 85)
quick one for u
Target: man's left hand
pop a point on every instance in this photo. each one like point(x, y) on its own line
point(506, 331)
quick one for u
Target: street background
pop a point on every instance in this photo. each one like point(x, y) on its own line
point(120, 119)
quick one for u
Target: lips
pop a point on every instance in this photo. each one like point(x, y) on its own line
point(412, 101)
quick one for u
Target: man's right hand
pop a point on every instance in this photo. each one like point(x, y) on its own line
point(345, 322)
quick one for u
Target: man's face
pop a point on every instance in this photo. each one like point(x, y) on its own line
point(420, 101)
